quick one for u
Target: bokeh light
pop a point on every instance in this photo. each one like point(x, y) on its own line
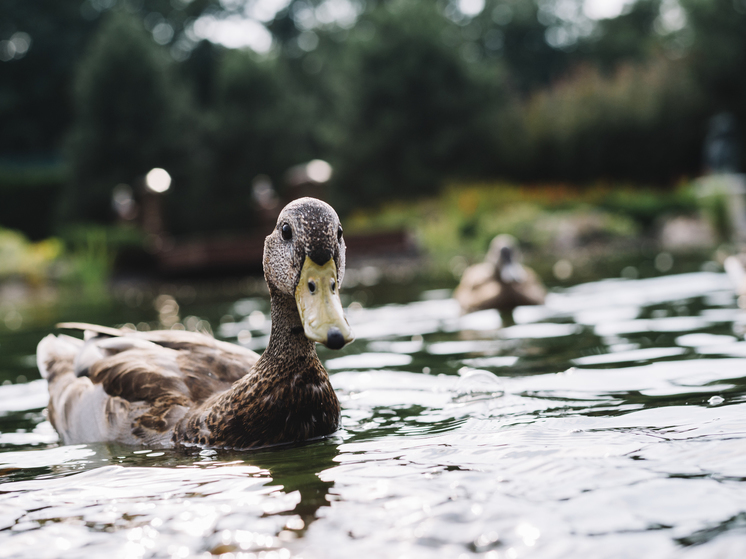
point(158, 180)
point(319, 170)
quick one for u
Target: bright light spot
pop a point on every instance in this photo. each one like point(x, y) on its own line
point(558, 37)
point(264, 10)
point(15, 47)
point(158, 180)
point(13, 320)
point(604, 9)
point(244, 337)
point(263, 192)
point(123, 202)
point(630, 272)
point(471, 8)
point(234, 32)
point(672, 17)
point(163, 33)
point(319, 171)
point(529, 534)
point(257, 319)
point(304, 16)
point(664, 262)
point(341, 12)
point(488, 538)
point(308, 41)
point(22, 42)
point(295, 523)
point(562, 269)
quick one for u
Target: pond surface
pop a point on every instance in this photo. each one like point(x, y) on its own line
point(609, 423)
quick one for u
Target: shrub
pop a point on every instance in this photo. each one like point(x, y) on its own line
point(29, 195)
point(644, 124)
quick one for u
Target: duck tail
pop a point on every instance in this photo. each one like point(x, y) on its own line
point(55, 354)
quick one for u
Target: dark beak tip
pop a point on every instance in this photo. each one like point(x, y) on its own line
point(335, 339)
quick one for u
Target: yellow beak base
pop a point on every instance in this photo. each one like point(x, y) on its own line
point(319, 306)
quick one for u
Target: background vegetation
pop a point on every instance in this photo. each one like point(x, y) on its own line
point(402, 97)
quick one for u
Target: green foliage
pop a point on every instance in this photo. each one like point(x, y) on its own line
point(421, 113)
point(631, 37)
point(717, 31)
point(642, 124)
point(91, 251)
point(131, 117)
point(83, 256)
point(259, 125)
point(91, 261)
point(29, 195)
point(647, 206)
point(22, 259)
point(514, 34)
point(463, 219)
point(409, 96)
point(34, 89)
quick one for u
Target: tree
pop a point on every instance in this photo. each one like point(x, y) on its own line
point(718, 52)
point(421, 112)
point(130, 116)
point(259, 125)
point(628, 38)
point(35, 81)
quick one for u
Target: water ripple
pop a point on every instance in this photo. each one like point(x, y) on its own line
point(607, 423)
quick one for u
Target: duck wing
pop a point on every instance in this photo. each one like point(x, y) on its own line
point(477, 288)
point(532, 290)
point(134, 387)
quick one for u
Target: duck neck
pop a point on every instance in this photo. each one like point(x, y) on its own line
point(287, 341)
point(286, 397)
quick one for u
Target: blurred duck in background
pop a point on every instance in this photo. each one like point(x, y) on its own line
point(500, 282)
point(735, 268)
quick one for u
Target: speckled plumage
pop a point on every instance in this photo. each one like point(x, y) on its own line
point(169, 388)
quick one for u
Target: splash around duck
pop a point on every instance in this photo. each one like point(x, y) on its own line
point(171, 388)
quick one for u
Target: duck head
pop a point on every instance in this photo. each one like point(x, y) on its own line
point(505, 256)
point(304, 258)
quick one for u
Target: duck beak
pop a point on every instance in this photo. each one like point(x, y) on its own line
point(317, 297)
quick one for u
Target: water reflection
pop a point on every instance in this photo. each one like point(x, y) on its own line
point(606, 423)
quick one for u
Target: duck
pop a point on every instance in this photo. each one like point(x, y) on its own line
point(171, 388)
point(735, 269)
point(500, 282)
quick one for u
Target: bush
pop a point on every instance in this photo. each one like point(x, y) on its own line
point(259, 126)
point(29, 195)
point(22, 259)
point(644, 124)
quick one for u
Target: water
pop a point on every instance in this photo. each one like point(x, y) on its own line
point(609, 423)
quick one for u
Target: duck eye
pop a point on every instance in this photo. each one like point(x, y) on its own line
point(287, 232)
point(334, 285)
point(312, 286)
point(339, 233)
